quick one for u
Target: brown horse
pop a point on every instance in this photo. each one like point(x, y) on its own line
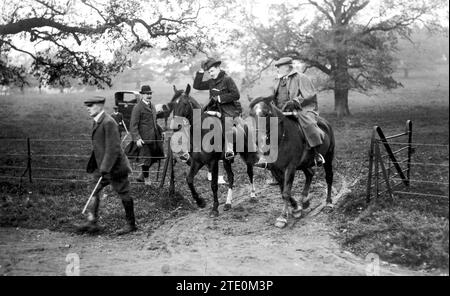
point(293, 155)
point(183, 106)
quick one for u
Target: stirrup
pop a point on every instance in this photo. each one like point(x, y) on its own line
point(321, 161)
point(229, 155)
point(185, 157)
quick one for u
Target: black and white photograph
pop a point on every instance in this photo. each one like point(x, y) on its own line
point(236, 138)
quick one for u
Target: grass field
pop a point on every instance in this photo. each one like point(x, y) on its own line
point(409, 230)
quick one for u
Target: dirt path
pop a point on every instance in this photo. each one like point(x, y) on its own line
point(242, 241)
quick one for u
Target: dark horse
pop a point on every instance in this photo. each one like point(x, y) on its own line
point(293, 155)
point(183, 106)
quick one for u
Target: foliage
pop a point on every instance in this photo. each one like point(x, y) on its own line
point(88, 40)
point(353, 52)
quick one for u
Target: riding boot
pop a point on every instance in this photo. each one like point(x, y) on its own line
point(318, 158)
point(130, 225)
point(229, 153)
point(144, 174)
point(185, 157)
point(91, 226)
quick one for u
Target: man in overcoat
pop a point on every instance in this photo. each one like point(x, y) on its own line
point(291, 86)
point(109, 162)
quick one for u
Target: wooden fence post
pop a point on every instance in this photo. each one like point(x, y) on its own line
point(377, 161)
point(166, 163)
point(371, 155)
point(172, 174)
point(409, 130)
point(29, 160)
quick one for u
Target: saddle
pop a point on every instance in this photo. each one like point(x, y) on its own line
point(292, 110)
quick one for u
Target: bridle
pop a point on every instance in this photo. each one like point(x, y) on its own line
point(267, 131)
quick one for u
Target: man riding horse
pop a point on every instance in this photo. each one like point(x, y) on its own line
point(224, 97)
point(292, 87)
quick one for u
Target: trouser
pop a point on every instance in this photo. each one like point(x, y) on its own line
point(120, 184)
point(145, 171)
point(308, 122)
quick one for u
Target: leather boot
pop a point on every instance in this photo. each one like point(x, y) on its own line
point(91, 226)
point(141, 178)
point(130, 226)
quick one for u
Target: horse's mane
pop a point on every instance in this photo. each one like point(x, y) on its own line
point(266, 100)
point(195, 104)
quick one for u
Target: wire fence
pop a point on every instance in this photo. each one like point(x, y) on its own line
point(38, 165)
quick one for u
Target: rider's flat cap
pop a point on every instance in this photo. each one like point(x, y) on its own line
point(283, 61)
point(94, 100)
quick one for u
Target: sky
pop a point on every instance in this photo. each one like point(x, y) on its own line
point(260, 9)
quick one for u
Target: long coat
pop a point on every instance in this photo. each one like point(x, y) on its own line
point(143, 122)
point(224, 87)
point(143, 126)
point(299, 84)
point(107, 155)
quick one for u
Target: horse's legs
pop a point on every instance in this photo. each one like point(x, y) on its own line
point(289, 175)
point(214, 166)
point(328, 166)
point(230, 176)
point(309, 173)
point(195, 167)
point(252, 185)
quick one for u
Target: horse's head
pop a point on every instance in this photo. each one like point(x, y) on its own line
point(183, 105)
point(263, 108)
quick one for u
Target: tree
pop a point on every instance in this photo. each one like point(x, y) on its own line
point(351, 51)
point(422, 50)
point(88, 40)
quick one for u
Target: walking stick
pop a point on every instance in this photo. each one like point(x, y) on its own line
point(124, 125)
point(126, 130)
point(92, 194)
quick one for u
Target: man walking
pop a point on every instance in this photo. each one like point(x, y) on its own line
point(109, 162)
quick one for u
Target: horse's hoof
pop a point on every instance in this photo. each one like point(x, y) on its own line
point(252, 195)
point(201, 203)
point(227, 207)
point(214, 214)
point(297, 213)
point(253, 200)
point(305, 204)
point(281, 222)
point(329, 207)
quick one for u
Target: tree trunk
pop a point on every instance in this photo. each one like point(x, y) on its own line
point(405, 73)
point(341, 103)
point(341, 86)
